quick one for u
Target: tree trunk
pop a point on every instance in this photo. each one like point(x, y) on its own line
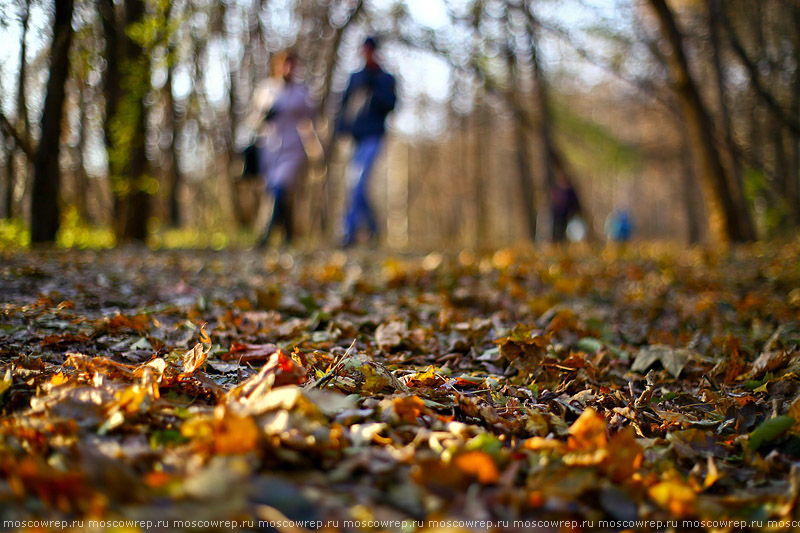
point(688, 181)
point(234, 119)
point(720, 204)
point(22, 118)
point(8, 193)
point(175, 124)
point(323, 194)
point(47, 175)
point(743, 214)
point(525, 176)
point(128, 160)
point(554, 161)
point(112, 91)
point(479, 163)
point(794, 169)
point(22, 104)
point(81, 177)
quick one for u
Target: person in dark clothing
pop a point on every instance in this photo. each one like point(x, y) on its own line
point(565, 205)
point(367, 101)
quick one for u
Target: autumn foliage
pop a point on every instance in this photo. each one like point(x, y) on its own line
point(589, 384)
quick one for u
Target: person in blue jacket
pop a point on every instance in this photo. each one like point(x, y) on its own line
point(619, 226)
point(367, 101)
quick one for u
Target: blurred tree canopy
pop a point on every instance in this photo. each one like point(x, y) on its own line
point(130, 115)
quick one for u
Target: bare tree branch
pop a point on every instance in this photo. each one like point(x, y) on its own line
point(789, 121)
point(19, 137)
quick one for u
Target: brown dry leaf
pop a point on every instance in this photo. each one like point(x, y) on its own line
point(249, 353)
point(63, 338)
point(391, 335)
point(769, 362)
point(194, 358)
point(134, 323)
point(524, 350)
point(103, 365)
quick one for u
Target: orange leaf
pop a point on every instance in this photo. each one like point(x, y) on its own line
point(156, 479)
point(538, 444)
point(479, 464)
point(136, 323)
point(588, 432)
point(624, 457)
point(58, 379)
point(235, 434)
point(409, 408)
point(204, 338)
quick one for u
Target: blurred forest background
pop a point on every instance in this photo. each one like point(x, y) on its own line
point(124, 120)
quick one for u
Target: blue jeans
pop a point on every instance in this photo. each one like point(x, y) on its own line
point(359, 210)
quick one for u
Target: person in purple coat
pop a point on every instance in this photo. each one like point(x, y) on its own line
point(281, 150)
point(369, 98)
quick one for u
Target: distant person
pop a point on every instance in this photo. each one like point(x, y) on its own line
point(369, 98)
point(618, 226)
point(281, 151)
point(564, 205)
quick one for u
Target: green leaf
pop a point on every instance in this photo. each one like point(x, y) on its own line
point(485, 442)
point(163, 437)
point(433, 404)
point(590, 345)
point(769, 430)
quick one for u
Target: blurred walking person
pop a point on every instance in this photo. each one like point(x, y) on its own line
point(281, 150)
point(564, 205)
point(367, 101)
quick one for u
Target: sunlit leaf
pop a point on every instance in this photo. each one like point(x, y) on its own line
point(479, 464)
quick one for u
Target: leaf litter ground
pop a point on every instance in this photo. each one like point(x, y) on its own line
point(372, 392)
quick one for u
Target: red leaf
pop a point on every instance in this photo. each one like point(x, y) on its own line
point(249, 353)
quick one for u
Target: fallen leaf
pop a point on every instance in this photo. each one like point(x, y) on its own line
point(769, 430)
point(673, 359)
point(588, 432)
point(678, 498)
point(391, 335)
point(479, 464)
point(249, 353)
